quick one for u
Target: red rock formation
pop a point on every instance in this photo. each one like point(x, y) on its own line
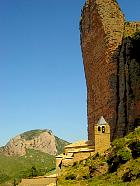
point(104, 35)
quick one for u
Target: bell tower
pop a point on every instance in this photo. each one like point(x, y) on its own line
point(101, 135)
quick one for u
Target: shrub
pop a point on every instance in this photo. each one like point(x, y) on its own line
point(131, 174)
point(113, 163)
point(124, 155)
point(3, 177)
point(34, 172)
point(135, 147)
point(16, 181)
point(86, 176)
point(119, 143)
point(70, 177)
point(120, 157)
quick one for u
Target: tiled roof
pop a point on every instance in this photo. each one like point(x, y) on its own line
point(102, 121)
point(78, 144)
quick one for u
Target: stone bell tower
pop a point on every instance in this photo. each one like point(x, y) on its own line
point(101, 135)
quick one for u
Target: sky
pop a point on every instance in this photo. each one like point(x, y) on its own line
point(42, 81)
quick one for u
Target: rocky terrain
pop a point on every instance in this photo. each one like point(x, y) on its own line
point(41, 140)
point(110, 50)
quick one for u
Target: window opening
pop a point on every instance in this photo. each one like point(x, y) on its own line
point(103, 129)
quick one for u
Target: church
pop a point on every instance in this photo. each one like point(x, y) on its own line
point(83, 149)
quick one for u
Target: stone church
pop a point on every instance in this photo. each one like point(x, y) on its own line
point(83, 149)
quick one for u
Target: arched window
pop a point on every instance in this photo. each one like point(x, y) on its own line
point(99, 129)
point(103, 129)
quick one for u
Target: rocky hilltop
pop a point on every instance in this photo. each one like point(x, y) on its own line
point(41, 140)
point(28, 155)
point(110, 49)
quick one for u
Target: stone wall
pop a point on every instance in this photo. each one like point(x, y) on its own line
point(38, 181)
point(82, 155)
point(104, 35)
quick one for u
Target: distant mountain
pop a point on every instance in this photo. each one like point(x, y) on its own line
point(41, 140)
point(29, 154)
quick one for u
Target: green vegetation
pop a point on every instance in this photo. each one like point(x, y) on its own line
point(29, 135)
point(34, 163)
point(60, 144)
point(118, 166)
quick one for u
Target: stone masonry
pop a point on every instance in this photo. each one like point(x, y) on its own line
point(81, 150)
point(112, 66)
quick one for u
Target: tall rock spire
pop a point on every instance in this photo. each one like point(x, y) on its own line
point(107, 73)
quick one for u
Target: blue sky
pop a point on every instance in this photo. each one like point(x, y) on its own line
point(42, 82)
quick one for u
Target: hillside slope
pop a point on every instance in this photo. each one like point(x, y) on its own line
point(29, 154)
point(118, 166)
point(42, 140)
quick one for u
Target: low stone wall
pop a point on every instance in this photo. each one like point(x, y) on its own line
point(39, 181)
point(82, 155)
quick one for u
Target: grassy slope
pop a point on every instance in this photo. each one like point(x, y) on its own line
point(119, 166)
point(16, 167)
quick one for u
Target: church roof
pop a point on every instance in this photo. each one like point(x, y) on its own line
point(77, 144)
point(102, 121)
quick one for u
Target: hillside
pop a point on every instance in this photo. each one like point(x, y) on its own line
point(42, 140)
point(118, 166)
point(29, 154)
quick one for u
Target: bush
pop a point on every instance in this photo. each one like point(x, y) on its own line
point(113, 163)
point(131, 175)
point(135, 148)
point(3, 177)
point(120, 157)
point(70, 177)
point(86, 176)
point(30, 173)
point(119, 143)
point(16, 181)
point(124, 155)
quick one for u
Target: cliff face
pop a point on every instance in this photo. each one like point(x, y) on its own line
point(128, 107)
point(111, 65)
point(41, 140)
